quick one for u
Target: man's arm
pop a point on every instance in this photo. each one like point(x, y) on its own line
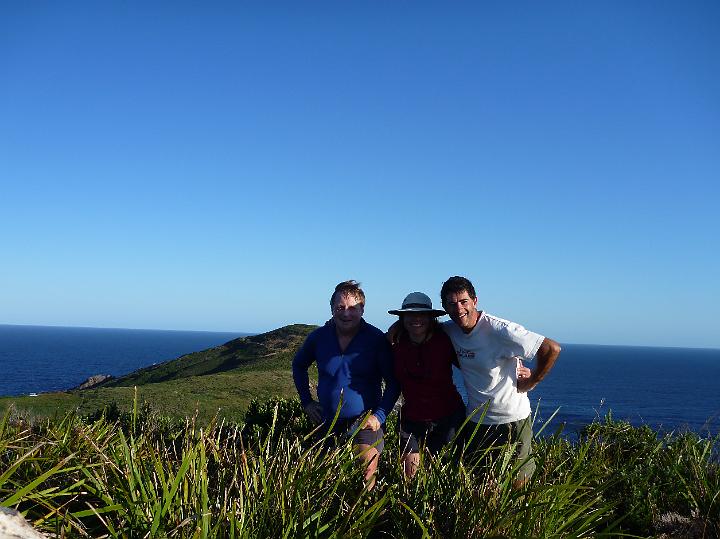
point(545, 358)
point(392, 388)
point(301, 362)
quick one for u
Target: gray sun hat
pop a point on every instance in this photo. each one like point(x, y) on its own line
point(417, 302)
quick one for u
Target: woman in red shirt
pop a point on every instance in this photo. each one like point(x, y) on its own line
point(433, 410)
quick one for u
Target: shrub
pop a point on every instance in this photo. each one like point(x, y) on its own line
point(284, 417)
point(650, 474)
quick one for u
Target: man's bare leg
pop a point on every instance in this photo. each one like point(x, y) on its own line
point(411, 462)
point(520, 482)
point(369, 456)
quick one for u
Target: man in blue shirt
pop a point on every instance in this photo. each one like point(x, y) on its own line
point(353, 358)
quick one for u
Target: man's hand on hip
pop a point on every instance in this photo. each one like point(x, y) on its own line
point(523, 378)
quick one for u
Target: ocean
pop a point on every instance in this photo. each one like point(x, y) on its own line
point(666, 388)
point(670, 389)
point(36, 359)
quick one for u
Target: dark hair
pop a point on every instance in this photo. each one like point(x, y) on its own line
point(349, 288)
point(455, 285)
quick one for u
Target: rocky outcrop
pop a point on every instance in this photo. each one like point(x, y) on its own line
point(94, 381)
point(675, 526)
point(14, 526)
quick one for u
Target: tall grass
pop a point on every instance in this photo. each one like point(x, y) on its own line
point(140, 475)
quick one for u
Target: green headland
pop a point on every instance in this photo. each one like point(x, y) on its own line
point(218, 381)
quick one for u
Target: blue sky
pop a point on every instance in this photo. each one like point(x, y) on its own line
point(221, 167)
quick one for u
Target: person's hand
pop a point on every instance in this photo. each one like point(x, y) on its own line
point(524, 375)
point(522, 371)
point(372, 423)
point(314, 411)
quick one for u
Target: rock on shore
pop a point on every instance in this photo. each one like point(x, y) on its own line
point(94, 381)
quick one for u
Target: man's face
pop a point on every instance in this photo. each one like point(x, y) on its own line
point(347, 313)
point(462, 309)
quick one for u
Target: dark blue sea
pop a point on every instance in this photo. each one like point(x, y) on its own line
point(667, 388)
point(37, 359)
point(670, 389)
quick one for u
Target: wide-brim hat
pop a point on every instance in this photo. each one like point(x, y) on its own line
point(417, 302)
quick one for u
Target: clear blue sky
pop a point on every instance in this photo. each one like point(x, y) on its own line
point(221, 166)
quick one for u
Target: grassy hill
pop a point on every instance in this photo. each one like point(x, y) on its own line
point(221, 380)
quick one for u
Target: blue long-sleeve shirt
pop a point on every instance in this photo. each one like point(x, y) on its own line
point(357, 372)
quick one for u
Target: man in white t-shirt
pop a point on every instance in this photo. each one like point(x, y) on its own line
point(488, 349)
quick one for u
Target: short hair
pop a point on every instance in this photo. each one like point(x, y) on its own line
point(455, 285)
point(348, 288)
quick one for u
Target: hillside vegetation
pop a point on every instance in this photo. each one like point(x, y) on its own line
point(139, 474)
point(219, 381)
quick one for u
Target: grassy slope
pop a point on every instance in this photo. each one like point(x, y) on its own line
point(220, 380)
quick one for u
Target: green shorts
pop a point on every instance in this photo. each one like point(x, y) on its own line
point(487, 440)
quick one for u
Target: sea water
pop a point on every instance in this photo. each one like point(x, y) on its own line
point(37, 359)
point(670, 389)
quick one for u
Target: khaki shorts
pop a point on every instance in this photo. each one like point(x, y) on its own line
point(488, 439)
point(346, 429)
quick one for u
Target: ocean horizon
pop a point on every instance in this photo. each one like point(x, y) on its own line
point(668, 388)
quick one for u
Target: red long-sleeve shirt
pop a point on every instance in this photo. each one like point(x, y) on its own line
point(425, 375)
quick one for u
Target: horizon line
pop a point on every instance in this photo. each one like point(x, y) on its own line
point(251, 333)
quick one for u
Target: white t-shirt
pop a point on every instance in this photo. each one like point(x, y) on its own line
point(488, 357)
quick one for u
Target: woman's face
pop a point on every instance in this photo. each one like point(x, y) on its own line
point(417, 325)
